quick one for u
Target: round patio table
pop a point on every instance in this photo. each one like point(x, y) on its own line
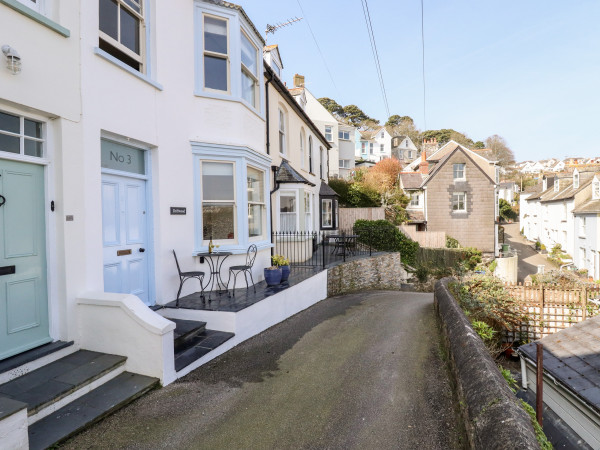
point(215, 262)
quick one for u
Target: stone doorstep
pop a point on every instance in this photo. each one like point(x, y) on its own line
point(186, 330)
point(198, 346)
point(60, 379)
point(89, 409)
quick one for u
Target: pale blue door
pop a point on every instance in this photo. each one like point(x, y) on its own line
point(23, 279)
point(124, 236)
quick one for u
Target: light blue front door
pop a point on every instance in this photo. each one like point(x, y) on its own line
point(124, 236)
point(23, 279)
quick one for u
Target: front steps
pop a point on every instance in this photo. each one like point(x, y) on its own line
point(192, 341)
point(72, 392)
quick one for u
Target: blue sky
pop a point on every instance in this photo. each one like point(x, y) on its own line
point(526, 70)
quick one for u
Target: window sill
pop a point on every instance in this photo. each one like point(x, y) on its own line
point(102, 54)
point(36, 16)
point(235, 249)
point(459, 212)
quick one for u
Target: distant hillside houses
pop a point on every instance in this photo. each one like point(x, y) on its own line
point(554, 165)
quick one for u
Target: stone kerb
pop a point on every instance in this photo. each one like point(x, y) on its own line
point(492, 416)
point(384, 271)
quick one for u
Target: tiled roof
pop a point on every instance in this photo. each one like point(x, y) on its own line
point(296, 90)
point(440, 157)
point(572, 356)
point(535, 189)
point(287, 174)
point(412, 180)
point(326, 191)
point(507, 184)
point(591, 206)
point(568, 191)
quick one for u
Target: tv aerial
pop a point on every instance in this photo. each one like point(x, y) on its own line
point(273, 28)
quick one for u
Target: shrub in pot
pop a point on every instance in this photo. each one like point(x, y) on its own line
point(273, 275)
point(284, 264)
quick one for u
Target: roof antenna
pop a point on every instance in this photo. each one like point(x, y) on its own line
point(273, 28)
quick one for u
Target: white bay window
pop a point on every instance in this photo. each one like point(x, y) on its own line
point(218, 201)
point(256, 202)
point(216, 54)
point(249, 71)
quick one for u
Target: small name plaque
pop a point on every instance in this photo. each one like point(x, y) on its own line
point(178, 211)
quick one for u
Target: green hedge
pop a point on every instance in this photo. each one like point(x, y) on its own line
point(383, 236)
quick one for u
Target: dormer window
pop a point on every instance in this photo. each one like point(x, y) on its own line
point(576, 179)
point(556, 185)
point(596, 189)
point(276, 69)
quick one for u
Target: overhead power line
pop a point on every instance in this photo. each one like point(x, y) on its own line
point(423, 57)
point(367, 15)
point(318, 48)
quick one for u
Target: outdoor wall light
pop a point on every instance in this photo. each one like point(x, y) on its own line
point(13, 60)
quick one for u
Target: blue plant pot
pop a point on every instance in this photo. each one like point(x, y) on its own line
point(285, 273)
point(273, 276)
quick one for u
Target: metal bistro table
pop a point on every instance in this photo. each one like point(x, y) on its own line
point(343, 242)
point(215, 261)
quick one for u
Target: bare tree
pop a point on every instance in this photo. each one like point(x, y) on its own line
point(500, 150)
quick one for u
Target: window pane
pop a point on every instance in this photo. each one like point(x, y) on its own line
point(134, 5)
point(8, 122)
point(109, 12)
point(217, 181)
point(248, 89)
point(33, 148)
point(215, 35)
point(9, 144)
point(130, 31)
point(217, 221)
point(249, 53)
point(33, 129)
point(327, 213)
point(255, 222)
point(287, 203)
point(256, 186)
point(122, 157)
point(215, 73)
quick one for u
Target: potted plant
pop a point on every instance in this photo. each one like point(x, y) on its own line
point(273, 275)
point(284, 264)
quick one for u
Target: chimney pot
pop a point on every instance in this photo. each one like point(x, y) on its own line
point(299, 80)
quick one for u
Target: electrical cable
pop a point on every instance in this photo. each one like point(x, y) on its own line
point(369, 24)
point(318, 48)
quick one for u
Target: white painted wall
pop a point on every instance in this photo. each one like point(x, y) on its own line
point(322, 118)
point(13, 431)
point(588, 241)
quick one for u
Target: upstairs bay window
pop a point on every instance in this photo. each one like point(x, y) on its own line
point(218, 201)
point(249, 71)
point(216, 54)
point(122, 31)
point(414, 199)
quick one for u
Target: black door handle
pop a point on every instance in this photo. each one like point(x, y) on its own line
point(142, 250)
point(2, 200)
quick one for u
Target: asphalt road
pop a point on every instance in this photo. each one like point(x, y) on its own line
point(529, 259)
point(357, 371)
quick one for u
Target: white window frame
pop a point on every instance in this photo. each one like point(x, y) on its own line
point(371, 150)
point(248, 72)
point(582, 226)
point(363, 148)
point(141, 58)
point(415, 199)
point(459, 169)
point(344, 135)
point(296, 213)
point(576, 179)
point(282, 137)
point(242, 157)
point(308, 222)
point(456, 202)
point(556, 185)
point(321, 162)
point(329, 133)
point(310, 155)
point(382, 134)
point(38, 6)
point(381, 148)
point(344, 163)
point(22, 137)
point(596, 189)
point(232, 202)
point(302, 155)
point(213, 54)
point(262, 204)
point(323, 212)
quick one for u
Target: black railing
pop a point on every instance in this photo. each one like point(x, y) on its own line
point(319, 249)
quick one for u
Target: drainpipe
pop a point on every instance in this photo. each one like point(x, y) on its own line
point(267, 114)
point(276, 184)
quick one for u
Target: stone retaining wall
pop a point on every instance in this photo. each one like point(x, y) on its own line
point(384, 271)
point(492, 415)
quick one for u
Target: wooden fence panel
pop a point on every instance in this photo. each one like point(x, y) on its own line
point(548, 309)
point(347, 216)
point(429, 239)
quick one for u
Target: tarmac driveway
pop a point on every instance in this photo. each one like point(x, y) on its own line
point(356, 371)
point(529, 259)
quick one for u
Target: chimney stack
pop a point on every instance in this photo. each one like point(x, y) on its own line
point(298, 80)
point(430, 146)
point(424, 164)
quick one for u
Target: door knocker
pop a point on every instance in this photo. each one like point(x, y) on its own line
point(2, 200)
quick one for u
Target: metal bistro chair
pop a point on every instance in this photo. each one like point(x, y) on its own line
point(246, 269)
point(184, 276)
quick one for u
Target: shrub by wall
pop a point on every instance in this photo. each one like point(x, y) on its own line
point(384, 236)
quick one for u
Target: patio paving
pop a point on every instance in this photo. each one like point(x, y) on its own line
point(355, 371)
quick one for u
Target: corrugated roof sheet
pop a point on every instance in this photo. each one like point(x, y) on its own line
point(572, 356)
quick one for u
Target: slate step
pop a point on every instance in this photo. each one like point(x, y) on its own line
point(198, 346)
point(31, 355)
point(49, 384)
point(89, 409)
point(185, 330)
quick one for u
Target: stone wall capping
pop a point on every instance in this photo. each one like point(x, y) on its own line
point(492, 416)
